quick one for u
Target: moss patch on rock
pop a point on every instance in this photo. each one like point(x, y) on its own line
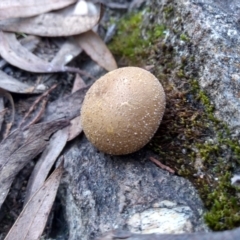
point(131, 43)
point(191, 139)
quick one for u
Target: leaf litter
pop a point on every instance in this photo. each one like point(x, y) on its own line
point(65, 22)
point(27, 8)
point(45, 162)
point(31, 222)
point(13, 85)
point(17, 55)
point(75, 127)
point(94, 46)
point(69, 50)
point(32, 138)
point(42, 101)
point(30, 42)
point(53, 150)
point(22, 146)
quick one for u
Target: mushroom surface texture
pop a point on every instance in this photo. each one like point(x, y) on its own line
point(122, 110)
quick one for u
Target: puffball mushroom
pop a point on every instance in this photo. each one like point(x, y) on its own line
point(122, 110)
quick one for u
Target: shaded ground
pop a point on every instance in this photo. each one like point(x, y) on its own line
point(190, 139)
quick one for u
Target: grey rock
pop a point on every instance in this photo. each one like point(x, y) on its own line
point(105, 192)
point(226, 235)
point(102, 193)
point(213, 29)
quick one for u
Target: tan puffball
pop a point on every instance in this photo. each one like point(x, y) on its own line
point(122, 110)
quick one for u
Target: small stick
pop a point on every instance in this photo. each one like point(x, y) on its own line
point(42, 97)
point(162, 166)
point(39, 115)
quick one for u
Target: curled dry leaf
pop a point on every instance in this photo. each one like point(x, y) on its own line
point(45, 162)
point(28, 8)
point(32, 220)
point(13, 85)
point(71, 20)
point(95, 47)
point(30, 42)
point(22, 146)
point(69, 50)
point(17, 55)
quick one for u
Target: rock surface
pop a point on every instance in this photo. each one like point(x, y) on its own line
point(103, 193)
point(207, 34)
point(117, 235)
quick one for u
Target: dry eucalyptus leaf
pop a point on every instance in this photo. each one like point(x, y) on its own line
point(45, 162)
point(17, 55)
point(32, 220)
point(28, 8)
point(95, 47)
point(13, 85)
point(78, 83)
point(69, 50)
point(112, 4)
point(30, 42)
point(71, 20)
point(2, 112)
point(75, 127)
point(20, 147)
point(66, 107)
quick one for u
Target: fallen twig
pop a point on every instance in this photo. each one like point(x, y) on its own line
point(161, 165)
point(43, 98)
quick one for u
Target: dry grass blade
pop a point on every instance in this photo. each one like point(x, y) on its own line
point(76, 128)
point(28, 8)
point(22, 146)
point(67, 52)
point(95, 47)
point(13, 85)
point(70, 21)
point(45, 163)
point(7, 95)
point(32, 220)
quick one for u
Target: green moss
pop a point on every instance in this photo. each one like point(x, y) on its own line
point(168, 11)
point(158, 32)
point(221, 198)
point(130, 42)
point(189, 129)
point(180, 73)
point(184, 37)
point(224, 205)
